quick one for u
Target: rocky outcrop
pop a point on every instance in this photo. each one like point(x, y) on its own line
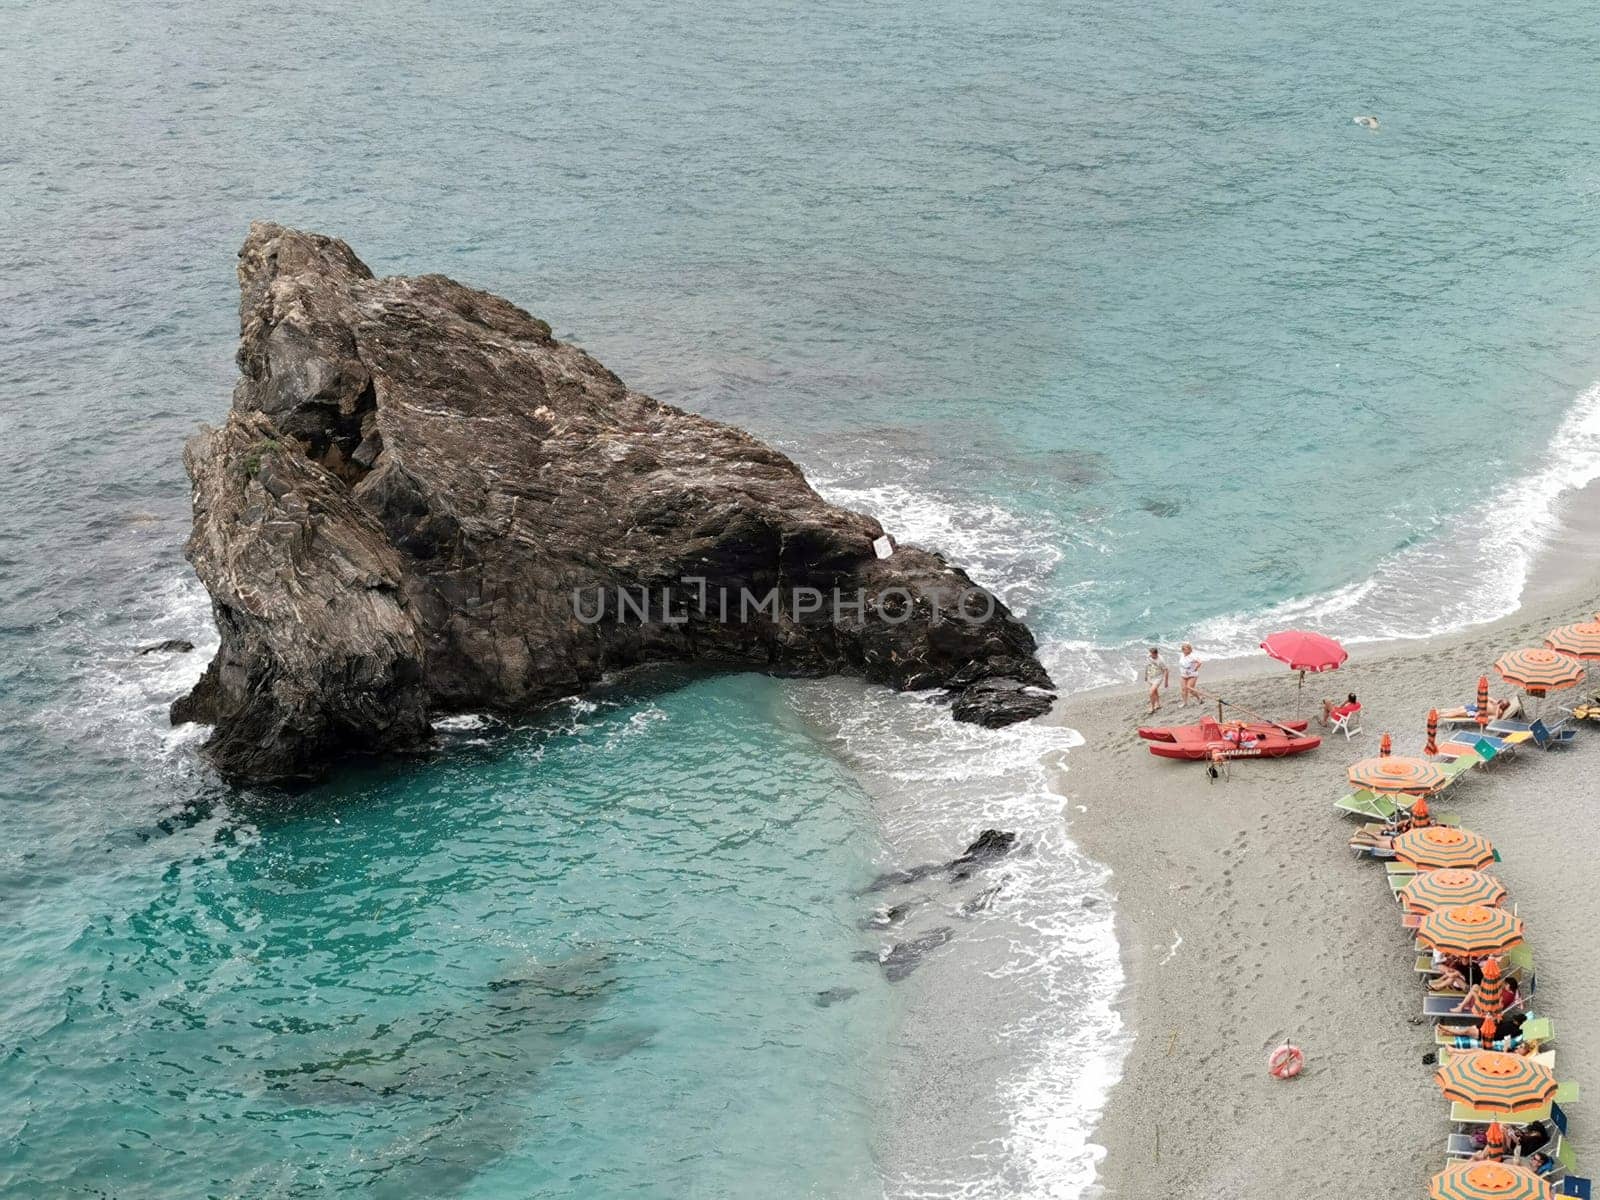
point(423, 503)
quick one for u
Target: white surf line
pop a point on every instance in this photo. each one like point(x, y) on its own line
point(1172, 950)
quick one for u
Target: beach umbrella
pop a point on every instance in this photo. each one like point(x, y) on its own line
point(1487, 1181)
point(1540, 671)
point(1451, 888)
point(1489, 1081)
point(1488, 995)
point(1471, 931)
point(1385, 746)
point(1396, 773)
point(1432, 746)
point(1575, 641)
point(1441, 847)
point(1303, 651)
point(1482, 715)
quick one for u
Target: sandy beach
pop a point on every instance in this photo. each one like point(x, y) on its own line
point(1244, 920)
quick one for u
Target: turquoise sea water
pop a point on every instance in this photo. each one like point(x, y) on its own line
point(1116, 304)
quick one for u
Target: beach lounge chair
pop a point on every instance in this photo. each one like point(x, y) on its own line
point(1460, 762)
point(1576, 1186)
point(1550, 739)
point(1368, 804)
point(1462, 1115)
point(1486, 746)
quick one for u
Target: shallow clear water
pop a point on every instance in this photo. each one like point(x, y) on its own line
point(1117, 305)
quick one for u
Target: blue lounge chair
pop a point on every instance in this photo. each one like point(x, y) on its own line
point(1548, 739)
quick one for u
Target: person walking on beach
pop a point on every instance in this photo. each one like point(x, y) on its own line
point(1188, 676)
point(1157, 676)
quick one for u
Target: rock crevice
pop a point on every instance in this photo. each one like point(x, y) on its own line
point(417, 483)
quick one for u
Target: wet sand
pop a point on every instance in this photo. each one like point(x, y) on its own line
point(1244, 920)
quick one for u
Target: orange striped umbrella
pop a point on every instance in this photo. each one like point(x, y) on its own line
point(1482, 715)
point(1487, 1181)
point(1451, 888)
point(1440, 847)
point(1488, 995)
point(1432, 746)
point(1385, 746)
point(1576, 641)
point(1539, 671)
point(1471, 931)
point(1489, 1081)
point(1395, 773)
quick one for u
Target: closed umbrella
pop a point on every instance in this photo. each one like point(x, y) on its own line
point(1482, 715)
point(1488, 995)
point(1470, 931)
point(1489, 1081)
point(1432, 746)
point(1487, 1181)
point(1440, 847)
point(1385, 746)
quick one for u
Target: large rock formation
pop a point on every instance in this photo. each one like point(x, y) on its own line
point(422, 503)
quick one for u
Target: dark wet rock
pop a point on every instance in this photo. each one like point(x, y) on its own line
point(905, 957)
point(415, 481)
point(864, 956)
point(892, 915)
point(170, 646)
point(994, 703)
point(835, 995)
point(991, 845)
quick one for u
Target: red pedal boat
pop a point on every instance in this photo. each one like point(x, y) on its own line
point(1230, 739)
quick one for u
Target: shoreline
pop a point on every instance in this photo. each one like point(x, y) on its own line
point(1243, 919)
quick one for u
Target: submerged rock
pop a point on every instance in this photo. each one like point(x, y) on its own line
point(422, 503)
point(905, 957)
point(989, 846)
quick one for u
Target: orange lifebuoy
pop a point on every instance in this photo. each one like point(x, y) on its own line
point(1285, 1062)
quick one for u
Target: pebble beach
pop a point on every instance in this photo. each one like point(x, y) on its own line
point(1245, 920)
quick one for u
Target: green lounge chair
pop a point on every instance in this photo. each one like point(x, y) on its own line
point(1369, 805)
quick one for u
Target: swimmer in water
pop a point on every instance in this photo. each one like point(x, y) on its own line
point(1366, 122)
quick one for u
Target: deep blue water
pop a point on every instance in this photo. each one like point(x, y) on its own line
point(1117, 304)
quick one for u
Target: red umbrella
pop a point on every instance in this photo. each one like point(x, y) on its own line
point(1385, 746)
point(1432, 747)
point(1482, 715)
point(1303, 651)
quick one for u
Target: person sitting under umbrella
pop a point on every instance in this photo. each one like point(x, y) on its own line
point(1503, 1033)
point(1401, 822)
point(1507, 709)
point(1488, 997)
point(1496, 1145)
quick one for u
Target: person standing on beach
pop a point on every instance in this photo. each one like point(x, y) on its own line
point(1157, 676)
point(1188, 676)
